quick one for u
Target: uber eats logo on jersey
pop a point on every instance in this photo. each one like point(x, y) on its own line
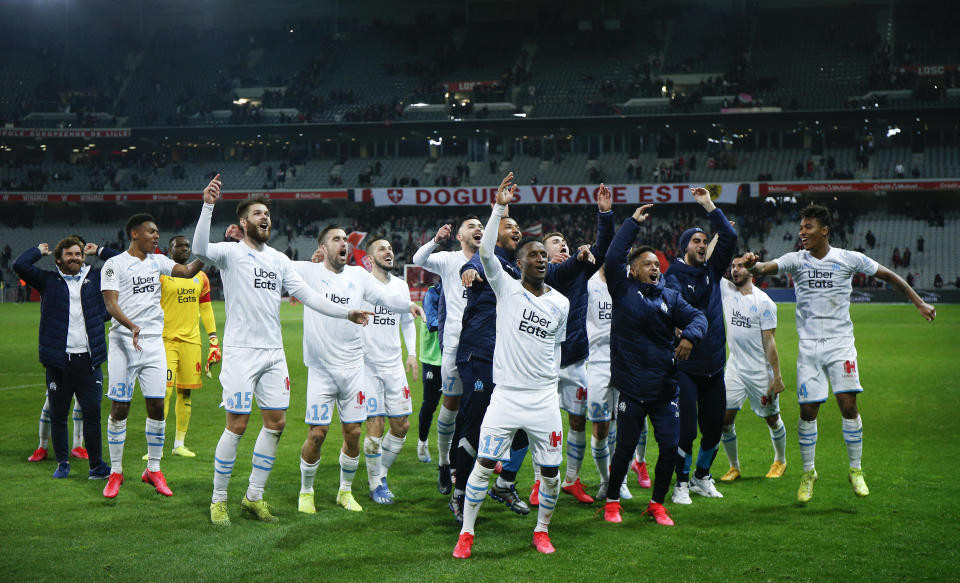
point(263, 279)
point(739, 319)
point(605, 310)
point(819, 278)
point(185, 295)
point(534, 323)
point(383, 316)
point(337, 299)
point(143, 285)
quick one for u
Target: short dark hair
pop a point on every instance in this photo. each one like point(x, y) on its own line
point(464, 219)
point(374, 239)
point(327, 229)
point(170, 242)
point(526, 241)
point(137, 220)
point(66, 243)
point(554, 234)
point(638, 252)
point(818, 212)
point(246, 204)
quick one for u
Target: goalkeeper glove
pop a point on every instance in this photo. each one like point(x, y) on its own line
point(214, 356)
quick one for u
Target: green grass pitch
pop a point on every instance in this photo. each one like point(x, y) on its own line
point(60, 530)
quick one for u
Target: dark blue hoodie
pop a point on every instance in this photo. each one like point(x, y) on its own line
point(479, 333)
point(700, 287)
point(642, 338)
point(570, 279)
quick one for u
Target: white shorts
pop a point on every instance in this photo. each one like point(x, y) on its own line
point(126, 365)
point(387, 391)
point(601, 397)
point(452, 387)
point(246, 373)
point(343, 388)
point(828, 359)
point(741, 385)
point(573, 388)
point(535, 411)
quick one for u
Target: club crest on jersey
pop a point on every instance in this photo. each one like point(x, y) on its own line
point(835, 266)
point(478, 386)
point(664, 308)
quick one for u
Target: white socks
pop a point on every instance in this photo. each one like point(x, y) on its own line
point(778, 435)
point(308, 472)
point(641, 454)
point(264, 454)
point(77, 424)
point(576, 444)
point(473, 497)
point(549, 490)
point(371, 455)
point(116, 438)
point(392, 446)
point(154, 432)
point(223, 460)
point(44, 429)
point(853, 436)
point(348, 467)
point(601, 457)
point(446, 422)
point(807, 432)
point(729, 439)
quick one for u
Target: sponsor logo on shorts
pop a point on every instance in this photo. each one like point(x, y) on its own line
point(581, 394)
point(429, 375)
point(361, 398)
point(849, 368)
point(555, 439)
point(286, 381)
point(198, 367)
point(406, 392)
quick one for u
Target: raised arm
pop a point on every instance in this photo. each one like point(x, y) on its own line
point(424, 255)
point(756, 267)
point(722, 253)
point(188, 270)
point(201, 235)
point(926, 310)
point(615, 264)
point(24, 266)
point(491, 265)
point(605, 226)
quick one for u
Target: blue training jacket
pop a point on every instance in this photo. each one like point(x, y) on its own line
point(570, 279)
point(55, 308)
point(479, 333)
point(642, 338)
point(431, 307)
point(700, 287)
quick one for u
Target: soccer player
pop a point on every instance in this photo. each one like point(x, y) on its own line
point(572, 283)
point(71, 346)
point(753, 368)
point(430, 359)
point(447, 265)
point(388, 392)
point(702, 393)
point(185, 303)
point(601, 397)
point(644, 354)
point(334, 354)
point(822, 277)
point(254, 365)
point(131, 292)
point(531, 324)
point(475, 363)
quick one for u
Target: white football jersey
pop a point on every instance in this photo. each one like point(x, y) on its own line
point(746, 317)
point(823, 289)
point(381, 335)
point(333, 342)
point(599, 314)
point(138, 284)
point(530, 329)
point(447, 265)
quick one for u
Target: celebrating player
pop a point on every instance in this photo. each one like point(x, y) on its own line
point(753, 368)
point(254, 365)
point(131, 292)
point(822, 277)
point(333, 353)
point(702, 394)
point(185, 302)
point(571, 281)
point(531, 324)
point(644, 355)
point(447, 265)
point(388, 392)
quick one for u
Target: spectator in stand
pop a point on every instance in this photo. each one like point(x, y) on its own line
point(938, 281)
point(956, 283)
point(910, 279)
point(920, 242)
point(898, 170)
point(897, 261)
point(871, 239)
point(906, 257)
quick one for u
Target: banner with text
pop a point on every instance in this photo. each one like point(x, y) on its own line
point(167, 196)
point(64, 133)
point(548, 194)
point(841, 186)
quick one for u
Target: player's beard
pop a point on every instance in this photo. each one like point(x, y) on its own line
point(383, 266)
point(258, 235)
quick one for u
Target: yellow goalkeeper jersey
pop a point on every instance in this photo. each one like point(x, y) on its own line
point(185, 301)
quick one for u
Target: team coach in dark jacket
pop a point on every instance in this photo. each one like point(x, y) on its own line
point(644, 352)
point(72, 342)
